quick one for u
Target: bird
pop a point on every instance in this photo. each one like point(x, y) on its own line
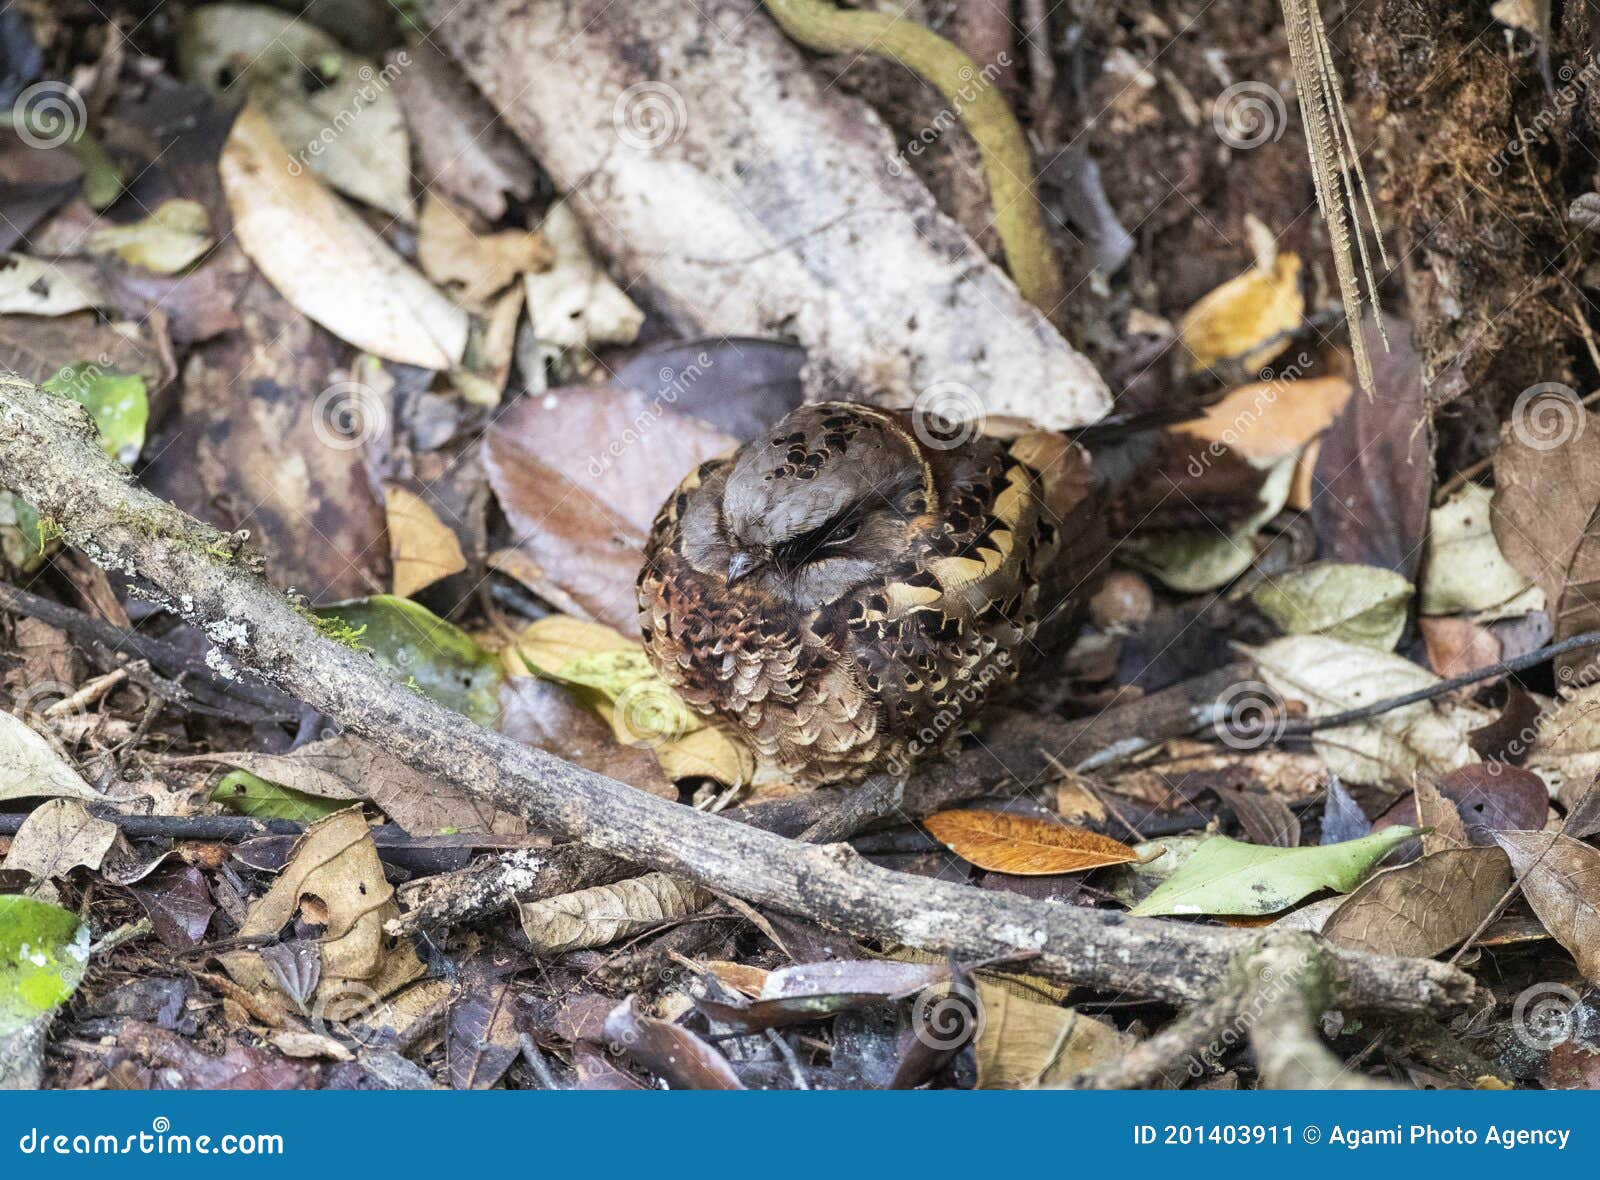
point(845, 592)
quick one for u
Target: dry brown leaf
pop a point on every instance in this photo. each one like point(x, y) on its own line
point(57, 837)
point(326, 261)
point(475, 268)
point(1266, 819)
point(1024, 1044)
point(1024, 846)
point(1458, 645)
point(574, 304)
point(1249, 318)
point(602, 915)
point(421, 548)
point(1561, 879)
point(1422, 908)
point(30, 767)
point(1440, 814)
point(1270, 419)
point(334, 880)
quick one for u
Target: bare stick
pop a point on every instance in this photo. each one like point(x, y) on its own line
point(49, 453)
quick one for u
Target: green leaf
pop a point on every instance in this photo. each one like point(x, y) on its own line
point(1227, 876)
point(248, 794)
point(116, 401)
point(43, 952)
point(1361, 604)
point(438, 658)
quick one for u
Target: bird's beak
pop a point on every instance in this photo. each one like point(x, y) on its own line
point(741, 565)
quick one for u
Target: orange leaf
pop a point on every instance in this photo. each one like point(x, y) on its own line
point(1024, 846)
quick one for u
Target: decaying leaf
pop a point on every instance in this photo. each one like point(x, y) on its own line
point(475, 268)
point(1026, 1045)
point(1359, 604)
point(550, 716)
point(334, 109)
point(1458, 645)
point(1248, 319)
point(57, 837)
point(670, 1051)
point(327, 261)
point(1561, 879)
point(31, 286)
point(175, 234)
point(334, 880)
point(606, 913)
point(1266, 819)
point(1331, 676)
point(1225, 876)
point(1422, 908)
point(1268, 420)
point(422, 549)
point(1024, 846)
point(1439, 819)
point(574, 304)
point(1463, 568)
point(1563, 744)
point(30, 768)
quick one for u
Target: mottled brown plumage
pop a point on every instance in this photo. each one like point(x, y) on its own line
point(847, 591)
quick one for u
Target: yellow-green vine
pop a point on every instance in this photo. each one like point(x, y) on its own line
point(821, 26)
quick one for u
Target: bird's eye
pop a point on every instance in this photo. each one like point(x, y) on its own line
point(842, 532)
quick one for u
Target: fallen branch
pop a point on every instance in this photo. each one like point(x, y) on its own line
point(49, 453)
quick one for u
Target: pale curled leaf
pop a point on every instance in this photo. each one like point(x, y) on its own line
point(1024, 846)
point(1331, 676)
point(574, 303)
point(1268, 420)
point(1561, 879)
point(174, 235)
point(1225, 876)
point(1025, 1044)
point(30, 286)
point(1463, 568)
point(1422, 908)
point(1249, 318)
point(31, 768)
point(57, 837)
point(327, 262)
point(605, 913)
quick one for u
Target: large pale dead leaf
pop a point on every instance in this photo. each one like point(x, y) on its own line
point(1024, 1044)
point(58, 837)
point(1226, 876)
point(1022, 845)
point(327, 261)
point(31, 768)
point(421, 548)
point(606, 913)
point(170, 239)
point(1249, 318)
point(334, 110)
point(30, 286)
point(1561, 879)
point(1463, 569)
point(574, 303)
point(1360, 604)
point(1422, 908)
point(1565, 744)
point(1331, 676)
point(334, 880)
